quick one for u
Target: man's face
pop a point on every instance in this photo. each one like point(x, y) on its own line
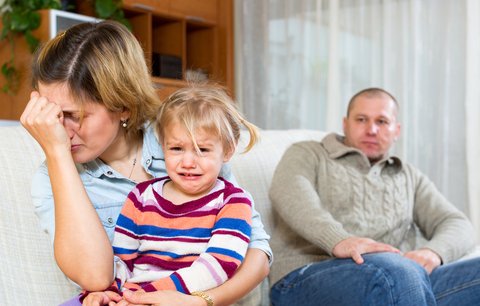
point(371, 126)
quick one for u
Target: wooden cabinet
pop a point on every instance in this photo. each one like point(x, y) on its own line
point(179, 37)
point(12, 106)
point(190, 33)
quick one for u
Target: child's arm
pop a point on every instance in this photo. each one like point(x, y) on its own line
point(224, 252)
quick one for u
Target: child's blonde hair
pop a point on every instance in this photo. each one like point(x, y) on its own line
point(205, 106)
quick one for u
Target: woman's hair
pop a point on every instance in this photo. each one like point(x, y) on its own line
point(205, 106)
point(100, 62)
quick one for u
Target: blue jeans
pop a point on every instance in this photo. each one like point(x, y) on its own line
point(383, 279)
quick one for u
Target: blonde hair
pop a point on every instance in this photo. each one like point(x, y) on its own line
point(100, 62)
point(205, 106)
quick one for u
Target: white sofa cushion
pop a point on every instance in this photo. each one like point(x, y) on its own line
point(254, 170)
point(29, 275)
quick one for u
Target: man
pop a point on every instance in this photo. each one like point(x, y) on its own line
point(358, 226)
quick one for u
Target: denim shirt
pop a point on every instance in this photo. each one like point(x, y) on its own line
point(108, 190)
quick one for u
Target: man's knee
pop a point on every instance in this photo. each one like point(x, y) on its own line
point(383, 279)
point(396, 267)
point(399, 279)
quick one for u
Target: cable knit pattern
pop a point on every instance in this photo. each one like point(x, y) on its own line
point(325, 192)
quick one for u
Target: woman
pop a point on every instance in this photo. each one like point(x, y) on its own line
point(90, 111)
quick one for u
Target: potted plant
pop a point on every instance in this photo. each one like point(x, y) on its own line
point(111, 9)
point(21, 17)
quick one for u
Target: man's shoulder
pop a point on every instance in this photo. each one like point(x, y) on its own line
point(328, 140)
point(307, 147)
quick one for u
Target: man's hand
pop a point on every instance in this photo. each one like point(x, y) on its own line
point(354, 247)
point(427, 258)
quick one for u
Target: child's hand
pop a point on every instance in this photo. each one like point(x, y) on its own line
point(101, 298)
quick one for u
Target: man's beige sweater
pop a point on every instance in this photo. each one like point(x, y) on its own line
point(325, 192)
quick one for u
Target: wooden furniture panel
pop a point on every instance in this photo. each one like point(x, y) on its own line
point(140, 22)
point(201, 55)
point(148, 5)
point(199, 32)
point(168, 36)
point(225, 50)
point(201, 10)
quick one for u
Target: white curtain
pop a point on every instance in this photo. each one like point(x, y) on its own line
point(298, 62)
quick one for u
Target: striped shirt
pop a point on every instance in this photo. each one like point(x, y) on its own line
point(190, 247)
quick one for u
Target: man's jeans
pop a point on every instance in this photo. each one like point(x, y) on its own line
point(383, 279)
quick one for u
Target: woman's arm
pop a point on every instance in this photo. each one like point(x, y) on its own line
point(253, 270)
point(81, 246)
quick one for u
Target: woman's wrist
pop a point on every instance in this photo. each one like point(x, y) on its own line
point(252, 271)
point(204, 296)
point(58, 154)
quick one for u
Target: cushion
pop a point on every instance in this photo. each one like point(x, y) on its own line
point(254, 169)
point(27, 266)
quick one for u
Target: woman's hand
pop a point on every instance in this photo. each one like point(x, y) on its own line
point(44, 121)
point(159, 298)
point(101, 298)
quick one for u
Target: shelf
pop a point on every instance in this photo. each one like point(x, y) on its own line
point(190, 35)
point(200, 48)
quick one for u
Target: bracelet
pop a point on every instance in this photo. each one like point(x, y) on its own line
point(204, 296)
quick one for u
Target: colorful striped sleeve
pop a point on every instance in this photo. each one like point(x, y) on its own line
point(126, 241)
point(224, 253)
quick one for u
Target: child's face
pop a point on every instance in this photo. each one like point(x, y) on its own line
point(193, 174)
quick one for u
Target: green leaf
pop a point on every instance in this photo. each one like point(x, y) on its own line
point(32, 41)
point(4, 33)
point(6, 69)
point(54, 4)
point(24, 20)
point(11, 76)
point(105, 8)
point(120, 17)
point(19, 22)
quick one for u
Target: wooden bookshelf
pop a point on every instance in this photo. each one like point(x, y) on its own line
point(196, 34)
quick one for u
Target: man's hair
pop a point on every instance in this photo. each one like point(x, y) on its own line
point(101, 63)
point(372, 92)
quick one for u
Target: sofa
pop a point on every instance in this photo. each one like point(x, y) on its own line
point(28, 272)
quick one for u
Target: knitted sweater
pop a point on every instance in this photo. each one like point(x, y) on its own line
point(194, 246)
point(325, 192)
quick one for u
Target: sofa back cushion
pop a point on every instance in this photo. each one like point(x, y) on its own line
point(29, 275)
point(254, 169)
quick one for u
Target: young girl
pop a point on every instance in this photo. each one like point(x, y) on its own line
point(188, 231)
